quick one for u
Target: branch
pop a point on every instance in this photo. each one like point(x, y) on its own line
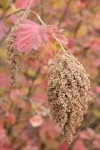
point(53, 35)
point(7, 16)
point(92, 125)
point(41, 5)
point(30, 88)
point(64, 13)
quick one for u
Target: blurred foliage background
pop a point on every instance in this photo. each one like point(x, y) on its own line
point(25, 122)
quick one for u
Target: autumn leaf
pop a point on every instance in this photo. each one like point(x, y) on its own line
point(30, 36)
point(96, 62)
point(98, 89)
point(3, 80)
point(25, 3)
point(10, 118)
point(63, 145)
point(36, 121)
point(49, 130)
point(79, 145)
point(14, 95)
point(4, 142)
point(96, 144)
point(85, 135)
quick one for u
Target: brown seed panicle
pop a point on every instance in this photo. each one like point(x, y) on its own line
point(68, 93)
point(14, 57)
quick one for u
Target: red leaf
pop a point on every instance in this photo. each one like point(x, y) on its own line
point(14, 95)
point(36, 121)
point(63, 146)
point(13, 18)
point(96, 144)
point(39, 97)
point(47, 54)
point(10, 118)
point(30, 36)
point(85, 135)
point(71, 42)
point(25, 3)
point(49, 130)
point(3, 79)
point(96, 63)
point(98, 89)
point(97, 137)
point(4, 141)
point(95, 44)
point(79, 146)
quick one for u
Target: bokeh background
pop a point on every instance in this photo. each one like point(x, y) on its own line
point(25, 122)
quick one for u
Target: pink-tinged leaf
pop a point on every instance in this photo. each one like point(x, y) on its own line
point(58, 33)
point(47, 54)
point(84, 135)
point(79, 145)
point(36, 121)
point(14, 95)
point(96, 144)
point(98, 89)
point(95, 44)
point(63, 146)
point(4, 142)
point(72, 51)
point(79, 4)
point(3, 80)
point(30, 36)
point(10, 118)
point(62, 39)
point(71, 42)
point(97, 137)
point(49, 129)
point(96, 63)
point(96, 21)
point(29, 147)
point(3, 30)
point(25, 3)
point(13, 18)
point(39, 97)
point(2, 133)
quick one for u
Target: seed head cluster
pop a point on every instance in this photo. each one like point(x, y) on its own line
point(14, 57)
point(68, 93)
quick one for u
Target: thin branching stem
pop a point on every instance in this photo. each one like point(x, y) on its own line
point(7, 16)
point(62, 48)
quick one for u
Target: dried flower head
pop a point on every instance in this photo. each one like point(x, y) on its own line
point(14, 57)
point(68, 93)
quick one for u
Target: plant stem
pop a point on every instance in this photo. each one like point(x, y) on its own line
point(64, 13)
point(62, 48)
point(7, 16)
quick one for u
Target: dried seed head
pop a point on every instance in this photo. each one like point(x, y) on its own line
point(14, 57)
point(68, 93)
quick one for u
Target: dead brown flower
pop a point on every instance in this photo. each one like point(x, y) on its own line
point(14, 57)
point(68, 93)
